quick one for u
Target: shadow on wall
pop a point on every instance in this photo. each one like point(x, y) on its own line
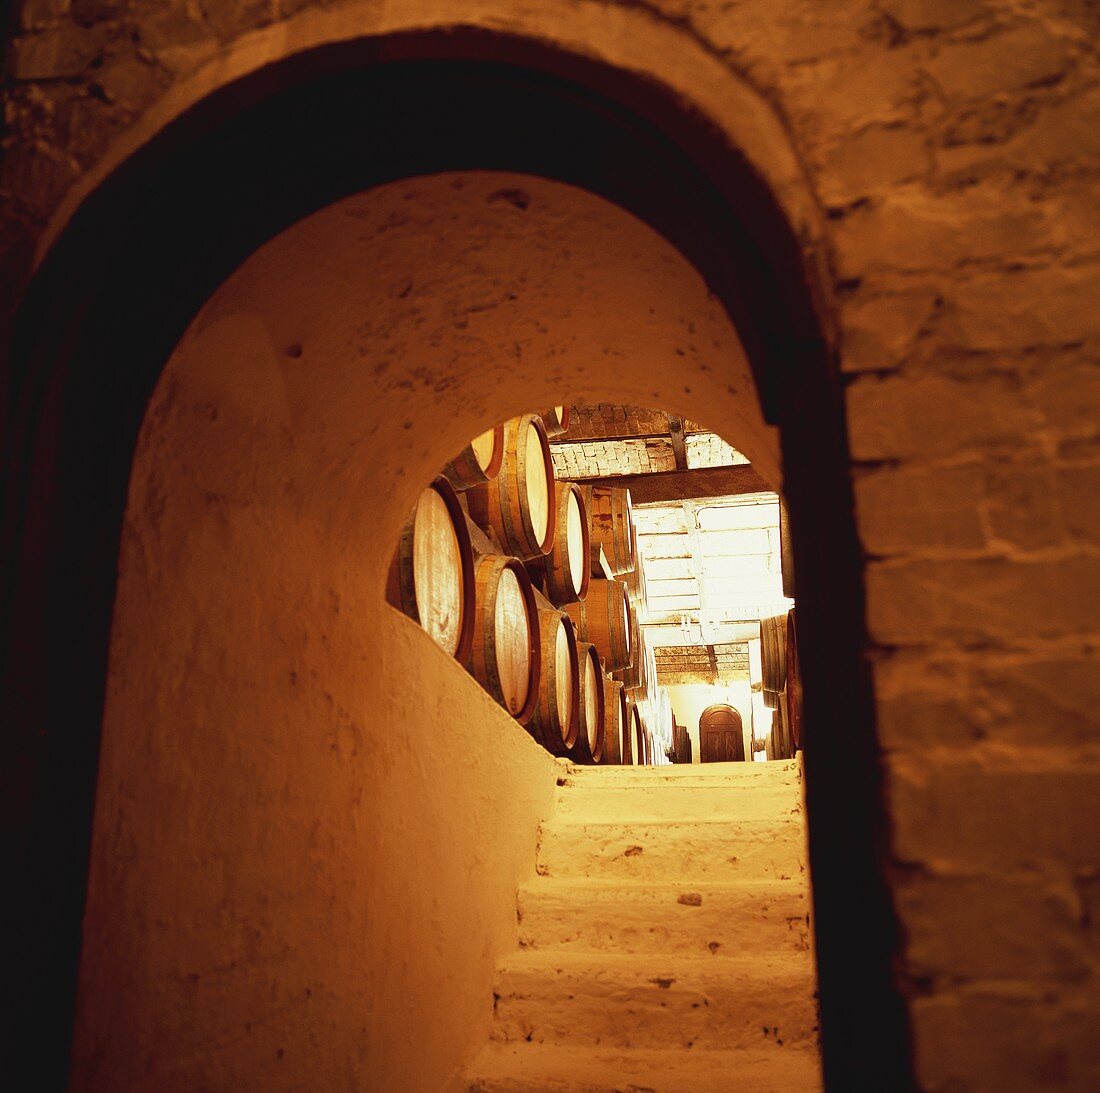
point(310, 821)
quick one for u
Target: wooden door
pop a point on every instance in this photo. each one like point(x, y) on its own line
point(721, 739)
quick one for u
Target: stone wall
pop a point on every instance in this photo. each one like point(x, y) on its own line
point(952, 148)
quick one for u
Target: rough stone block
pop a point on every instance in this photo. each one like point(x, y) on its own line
point(40, 173)
point(1066, 390)
point(935, 415)
point(1024, 507)
point(1024, 307)
point(967, 814)
point(901, 509)
point(63, 52)
point(1080, 490)
point(1023, 57)
point(1027, 698)
point(880, 331)
point(872, 160)
point(982, 599)
point(985, 927)
point(925, 15)
point(914, 229)
point(1003, 1040)
point(35, 14)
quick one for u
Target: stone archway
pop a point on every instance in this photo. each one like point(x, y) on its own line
point(90, 420)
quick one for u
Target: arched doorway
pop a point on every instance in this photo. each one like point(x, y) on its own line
point(153, 243)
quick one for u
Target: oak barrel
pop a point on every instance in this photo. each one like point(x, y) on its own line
point(786, 550)
point(506, 654)
point(567, 572)
point(479, 461)
point(794, 683)
point(681, 744)
point(603, 617)
point(616, 721)
point(721, 735)
point(773, 653)
point(556, 718)
point(588, 747)
point(516, 505)
point(610, 517)
point(632, 737)
point(431, 577)
point(556, 420)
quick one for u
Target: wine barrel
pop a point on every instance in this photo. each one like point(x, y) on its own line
point(633, 677)
point(589, 745)
point(603, 618)
point(431, 578)
point(515, 506)
point(567, 571)
point(782, 730)
point(773, 653)
point(556, 718)
point(556, 420)
point(616, 721)
point(681, 744)
point(479, 461)
point(786, 550)
point(631, 738)
point(721, 735)
point(635, 582)
point(612, 526)
point(506, 656)
point(794, 683)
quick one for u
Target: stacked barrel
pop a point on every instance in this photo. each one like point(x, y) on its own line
point(535, 585)
point(781, 684)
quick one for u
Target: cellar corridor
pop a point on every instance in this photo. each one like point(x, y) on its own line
point(664, 943)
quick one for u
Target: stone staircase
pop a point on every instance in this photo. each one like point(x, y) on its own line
point(664, 943)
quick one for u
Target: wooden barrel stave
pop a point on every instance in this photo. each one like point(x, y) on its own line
point(556, 717)
point(773, 653)
point(479, 462)
point(431, 577)
point(604, 618)
point(615, 720)
point(507, 624)
point(567, 574)
point(612, 526)
point(556, 420)
point(516, 505)
point(589, 745)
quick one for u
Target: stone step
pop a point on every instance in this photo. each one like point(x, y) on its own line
point(552, 1068)
point(710, 919)
point(642, 1002)
point(674, 851)
point(757, 773)
point(678, 800)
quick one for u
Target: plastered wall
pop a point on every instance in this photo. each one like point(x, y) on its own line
point(950, 150)
point(689, 700)
point(310, 822)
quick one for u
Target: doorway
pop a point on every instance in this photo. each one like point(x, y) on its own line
point(90, 350)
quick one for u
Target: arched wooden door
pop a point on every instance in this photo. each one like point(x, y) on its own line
point(721, 735)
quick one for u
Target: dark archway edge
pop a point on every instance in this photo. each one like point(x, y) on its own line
point(149, 246)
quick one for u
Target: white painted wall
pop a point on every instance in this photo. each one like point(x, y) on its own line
point(691, 699)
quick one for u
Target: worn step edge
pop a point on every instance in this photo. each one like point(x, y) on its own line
point(553, 1068)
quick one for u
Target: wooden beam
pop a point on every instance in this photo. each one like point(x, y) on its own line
point(677, 485)
point(679, 449)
